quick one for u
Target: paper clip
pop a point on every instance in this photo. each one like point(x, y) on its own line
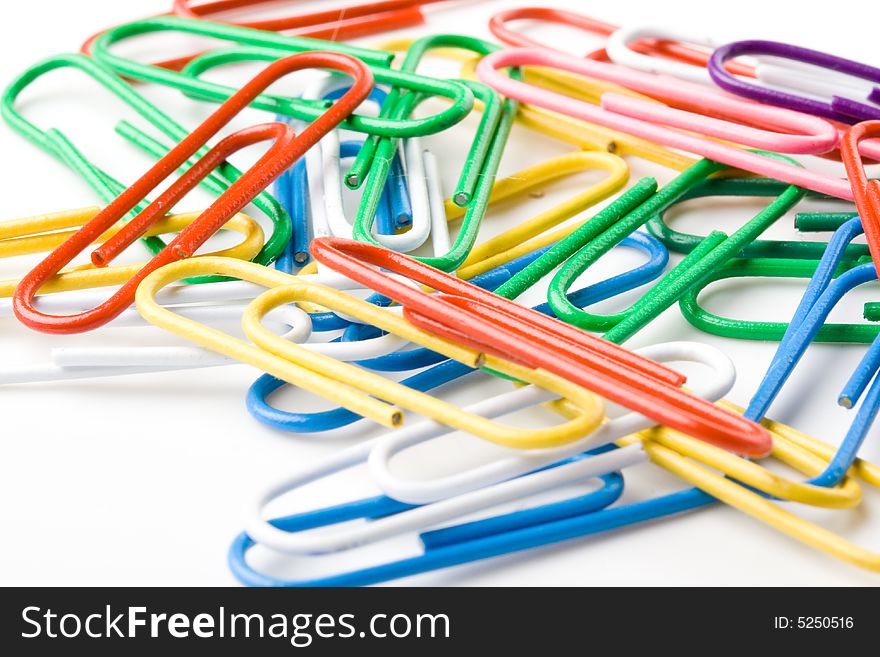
point(478, 171)
point(532, 234)
point(724, 489)
point(498, 535)
point(59, 146)
point(832, 470)
point(742, 329)
point(439, 370)
point(285, 149)
point(493, 324)
point(585, 245)
point(755, 505)
point(495, 250)
point(69, 363)
point(808, 319)
point(849, 256)
point(453, 503)
point(448, 546)
point(397, 193)
point(301, 198)
point(804, 76)
point(840, 461)
point(344, 383)
point(812, 134)
point(401, 106)
point(821, 295)
point(515, 242)
point(44, 232)
point(270, 46)
point(825, 75)
point(484, 545)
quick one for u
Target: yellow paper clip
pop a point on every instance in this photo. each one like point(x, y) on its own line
point(348, 384)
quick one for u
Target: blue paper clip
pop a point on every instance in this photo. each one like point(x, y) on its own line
point(821, 296)
point(444, 547)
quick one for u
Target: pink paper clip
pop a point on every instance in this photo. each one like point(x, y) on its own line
point(675, 128)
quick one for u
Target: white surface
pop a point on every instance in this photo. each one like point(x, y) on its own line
point(145, 479)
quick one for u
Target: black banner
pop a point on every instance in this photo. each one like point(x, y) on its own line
point(432, 621)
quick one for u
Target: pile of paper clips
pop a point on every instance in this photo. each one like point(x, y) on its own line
point(409, 286)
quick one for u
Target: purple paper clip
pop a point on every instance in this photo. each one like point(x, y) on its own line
point(839, 74)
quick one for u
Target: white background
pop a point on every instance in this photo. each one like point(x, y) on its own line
point(143, 480)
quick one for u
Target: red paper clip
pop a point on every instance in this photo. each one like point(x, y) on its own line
point(332, 25)
point(488, 323)
point(325, 19)
point(866, 193)
point(286, 149)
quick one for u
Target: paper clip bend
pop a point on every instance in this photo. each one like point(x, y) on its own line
point(286, 148)
point(741, 329)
